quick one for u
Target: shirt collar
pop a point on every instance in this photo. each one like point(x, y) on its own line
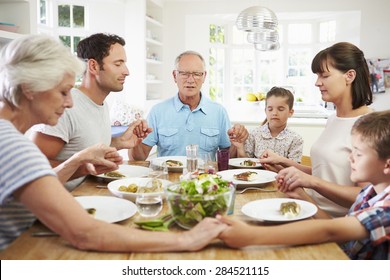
point(266, 133)
point(202, 106)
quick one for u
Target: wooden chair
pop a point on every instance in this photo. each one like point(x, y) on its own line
point(306, 160)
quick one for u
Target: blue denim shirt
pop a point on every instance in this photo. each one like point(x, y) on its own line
point(175, 126)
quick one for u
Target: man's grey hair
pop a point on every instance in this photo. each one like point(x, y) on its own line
point(178, 58)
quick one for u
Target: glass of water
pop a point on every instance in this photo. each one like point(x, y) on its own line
point(149, 205)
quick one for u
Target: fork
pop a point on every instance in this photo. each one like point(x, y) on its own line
point(254, 188)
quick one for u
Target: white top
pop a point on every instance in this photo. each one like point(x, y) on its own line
point(82, 126)
point(330, 160)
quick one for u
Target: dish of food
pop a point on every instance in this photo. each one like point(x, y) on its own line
point(245, 163)
point(246, 176)
point(174, 163)
point(290, 209)
point(269, 210)
point(126, 171)
point(131, 188)
point(257, 177)
point(107, 208)
point(190, 201)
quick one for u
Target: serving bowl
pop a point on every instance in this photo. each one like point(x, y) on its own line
point(140, 182)
point(192, 200)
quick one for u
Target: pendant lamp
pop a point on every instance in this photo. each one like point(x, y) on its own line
point(262, 26)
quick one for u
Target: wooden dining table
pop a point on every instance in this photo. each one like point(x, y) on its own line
point(27, 246)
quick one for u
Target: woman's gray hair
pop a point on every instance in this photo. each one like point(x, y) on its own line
point(39, 62)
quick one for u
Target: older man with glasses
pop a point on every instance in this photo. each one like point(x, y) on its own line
point(189, 117)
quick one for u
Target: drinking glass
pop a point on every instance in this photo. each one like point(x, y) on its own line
point(192, 157)
point(158, 171)
point(149, 205)
point(206, 164)
point(223, 159)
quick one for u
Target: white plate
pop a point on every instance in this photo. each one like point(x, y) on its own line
point(114, 186)
point(268, 210)
point(263, 176)
point(129, 171)
point(236, 162)
point(160, 160)
point(109, 209)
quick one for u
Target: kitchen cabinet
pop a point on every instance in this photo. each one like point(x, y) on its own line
point(154, 49)
point(22, 13)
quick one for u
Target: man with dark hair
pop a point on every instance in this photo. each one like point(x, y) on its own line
point(88, 122)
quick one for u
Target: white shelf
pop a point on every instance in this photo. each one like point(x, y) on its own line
point(153, 82)
point(153, 21)
point(6, 36)
point(153, 61)
point(154, 48)
point(153, 42)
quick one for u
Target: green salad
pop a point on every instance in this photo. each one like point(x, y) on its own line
point(192, 200)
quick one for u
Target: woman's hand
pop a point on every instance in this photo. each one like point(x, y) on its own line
point(290, 178)
point(272, 161)
point(237, 233)
point(202, 234)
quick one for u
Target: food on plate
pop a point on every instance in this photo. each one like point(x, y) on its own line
point(290, 209)
point(158, 224)
point(205, 175)
point(248, 163)
point(173, 163)
point(191, 201)
point(246, 176)
point(91, 211)
point(155, 186)
point(114, 174)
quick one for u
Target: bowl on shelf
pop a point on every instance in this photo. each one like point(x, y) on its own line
point(10, 27)
point(193, 200)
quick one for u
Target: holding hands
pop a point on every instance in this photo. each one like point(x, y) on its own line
point(238, 133)
point(135, 133)
point(272, 161)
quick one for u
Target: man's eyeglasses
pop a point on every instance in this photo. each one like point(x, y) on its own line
point(186, 75)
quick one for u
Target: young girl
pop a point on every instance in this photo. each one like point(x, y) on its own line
point(366, 227)
point(273, 134)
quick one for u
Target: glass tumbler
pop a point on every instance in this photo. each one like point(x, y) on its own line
point(192, 157)
point(149, 205)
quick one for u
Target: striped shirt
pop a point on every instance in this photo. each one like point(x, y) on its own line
point(21, 162)
point(373, 211)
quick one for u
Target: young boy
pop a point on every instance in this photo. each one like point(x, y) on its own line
point(367, 225)
point(273, 134)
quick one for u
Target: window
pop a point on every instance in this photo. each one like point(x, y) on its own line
point(42, 16)
point(63, 19)
point(70, 19)
point(216, 73)
point(71, 16)
point(233, 59)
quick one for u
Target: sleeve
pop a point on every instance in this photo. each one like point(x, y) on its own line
point(225, 126)
point(296, 149)
point(250, 144)
point(63, 129)
point(21, 163)
point(377, 222)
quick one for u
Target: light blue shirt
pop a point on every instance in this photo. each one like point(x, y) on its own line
point(175, 126)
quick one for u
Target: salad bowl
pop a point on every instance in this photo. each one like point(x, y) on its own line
point(190, 201)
